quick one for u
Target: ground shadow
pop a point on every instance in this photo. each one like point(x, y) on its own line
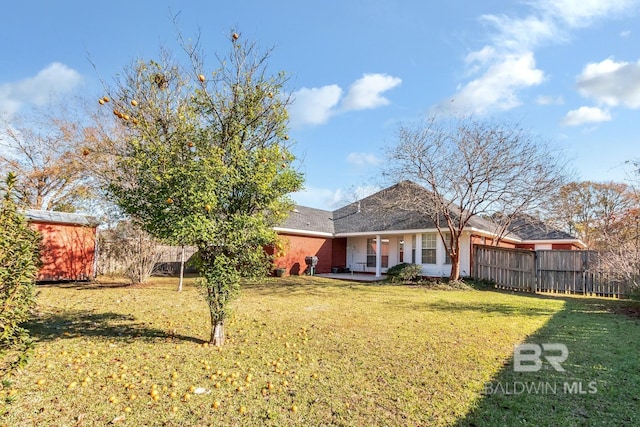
point(74, 323)
point(587, 304)
point(600, 383)
point(309, 285)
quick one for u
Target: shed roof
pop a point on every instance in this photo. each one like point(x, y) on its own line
point(60, 218)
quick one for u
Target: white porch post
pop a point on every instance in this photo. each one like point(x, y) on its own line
point(408, 246)
point(418, 259)
point(378, 256)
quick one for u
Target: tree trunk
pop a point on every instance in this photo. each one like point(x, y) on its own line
point(217, 332)
point(181, 269)
point(455, 268)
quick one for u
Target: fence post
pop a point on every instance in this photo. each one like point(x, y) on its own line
point(534, 283)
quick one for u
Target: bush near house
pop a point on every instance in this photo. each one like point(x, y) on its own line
point(404, 273)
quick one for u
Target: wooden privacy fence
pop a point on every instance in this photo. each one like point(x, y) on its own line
point(508, 268)
point(559, 271)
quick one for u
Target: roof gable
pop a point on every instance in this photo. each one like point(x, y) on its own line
point(389, 209)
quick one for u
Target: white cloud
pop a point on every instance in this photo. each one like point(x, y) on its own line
point(500, 70)
point(520, 34)
point(363, 159)
point(497, 87)
point(324, 198)
point(549, 100)
point(611, 83)
point(316, 106)
point(582, 13)
point(319, 198)
point(366, 92)
point(625, 34)
point(56, 79)
point(586, 115)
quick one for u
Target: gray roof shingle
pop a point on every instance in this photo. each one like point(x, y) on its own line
point(310, 220)
point(531, 228)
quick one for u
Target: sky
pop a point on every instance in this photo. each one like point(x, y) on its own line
point(566, 70)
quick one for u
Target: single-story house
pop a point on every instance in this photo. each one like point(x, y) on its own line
point(68, 248)
point(375, 233)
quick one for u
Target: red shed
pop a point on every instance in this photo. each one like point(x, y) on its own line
point(68, 250)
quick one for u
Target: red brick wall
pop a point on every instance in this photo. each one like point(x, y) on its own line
point(299, 247)
point(67, 251)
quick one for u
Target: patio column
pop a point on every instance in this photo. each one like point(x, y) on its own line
point(378, 256)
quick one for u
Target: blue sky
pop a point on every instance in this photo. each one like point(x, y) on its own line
point(569, 70)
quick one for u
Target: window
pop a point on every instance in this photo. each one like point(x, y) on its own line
point(401, 249)
point(371, 252)
point(429, 248)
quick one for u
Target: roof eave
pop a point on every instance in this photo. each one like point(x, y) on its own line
point(303, 232)
point(576, 242)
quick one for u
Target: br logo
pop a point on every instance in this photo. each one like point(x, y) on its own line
point(527, 357)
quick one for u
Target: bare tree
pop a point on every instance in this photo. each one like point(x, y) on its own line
point(47, 150)
point(593, 211)
point(473, 168)
point(129, 251)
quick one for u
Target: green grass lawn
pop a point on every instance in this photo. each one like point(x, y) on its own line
point(311, 351)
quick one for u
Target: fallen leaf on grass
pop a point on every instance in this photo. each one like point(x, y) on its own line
point(117, 419)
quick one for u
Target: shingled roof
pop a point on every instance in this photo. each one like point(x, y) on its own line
point(401, 208)
point(309, 220)
point(531, 228)
point(388, 209)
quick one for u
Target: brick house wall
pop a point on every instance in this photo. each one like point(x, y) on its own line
point(299, 247)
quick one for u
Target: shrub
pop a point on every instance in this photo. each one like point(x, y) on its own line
point(19, 261)
point(403, 273)
point(129, 251)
